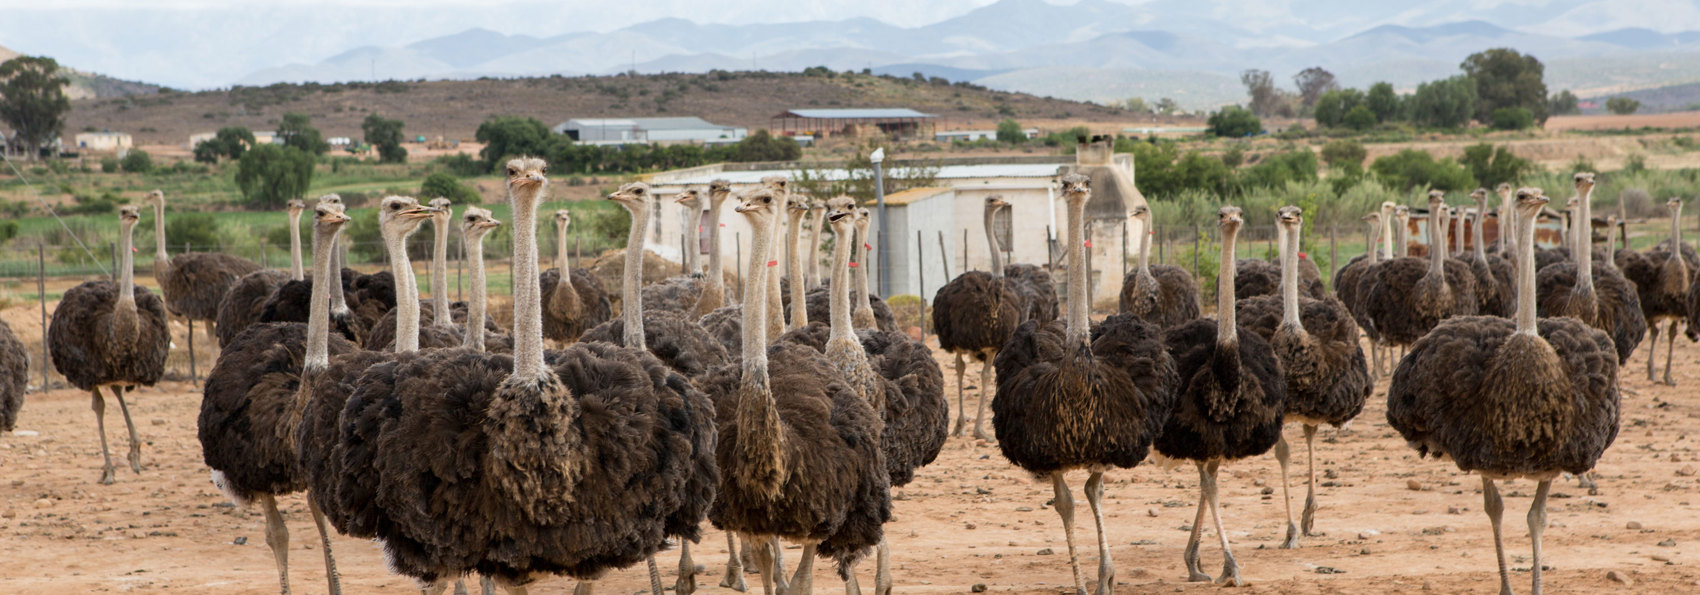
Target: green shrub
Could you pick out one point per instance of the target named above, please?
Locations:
(198, 230)
(136, 161)
(108, 165)
(1233, 122)
(1513, 118)
(1359, 118)
(1491, 166)
(461, 164)
(447, 186)
(1345, 154)
(1413, 168)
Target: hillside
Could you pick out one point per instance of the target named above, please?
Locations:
(1672, 98)
(454, 109)
(86, 85)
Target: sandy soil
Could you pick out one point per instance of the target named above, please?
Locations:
(1391, 522)
(1611, 122)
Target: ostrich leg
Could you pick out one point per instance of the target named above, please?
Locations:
(460, 586)
(331, 574)
(734, 578)
(1064, 503)
(1670, 348)
(1537, 526)
(882, 568)
(99, 406)
(1284, 456)
(488, 586)
(277, 537)
(654, 573)
(582, 588)
(437, 587)
(961, 404)
(779, 581)
(1307, 520)
(511, 589)
(135, 443)
(1230, 568)
(687, 582)
(985, 387)
(1095, 498)
(194, 378)
(1495, 507)
(1652, 351)
(765, 566)
(1193, 571)
(804, 580)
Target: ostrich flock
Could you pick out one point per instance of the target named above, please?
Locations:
(468, 450)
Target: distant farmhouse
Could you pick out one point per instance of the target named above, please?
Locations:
(621, 131)
(104, 142)
(900, 123)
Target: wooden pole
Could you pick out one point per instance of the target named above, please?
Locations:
(41, 294)
(738, 259)
(944, 256)
(920, 285)
(1333, 252)
(965, 267)
(1050, 252)
(1124, 248)
(460, 262)
(1195, 249)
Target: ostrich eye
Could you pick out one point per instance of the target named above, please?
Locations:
(543, 170)
(512, 172)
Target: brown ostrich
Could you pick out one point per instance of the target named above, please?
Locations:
(1229, 404)
(246, 300)
(193, 282)
(795, 268)
(112, 336)
(1407, 297)
(862, 312)
(1074, 397)
(578, 305)
(817, 215)
(1163, 295)
(1514, 400)
(974, 315)
(476, 223)
(798, 448)
(1494, 282)
(1327, 380)
(713, 293)
(252, 402)
(1662, 276)
(1595, 294)
(690, 216)
(14, 377)
(1348, 279)
(567, 462)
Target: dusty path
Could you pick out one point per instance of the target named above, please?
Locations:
(1393, 523)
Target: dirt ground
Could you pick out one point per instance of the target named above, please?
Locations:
(1612, 122)
(1391, 522)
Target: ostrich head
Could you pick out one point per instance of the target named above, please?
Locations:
(1076, 187)
(1584, 181)
(563, 218)
(443, 211)
(331, 199)
(400, 216)
(863, 217)
(1674, 205)
(477, 222)
(1228, 219)
(816, 206)
(995, 202)
(156, 198)
(1530, 201)
(841, 217)
(129, 215)
(1504, 190)
(689, 198)
(527, 178)
(296, 206)
(1402, 214)
(1374, 218)
(1572, 203)
(1290, 216)
(718, 190)
(758, 207)
(1478, 195)
(328, 218)
(1436, 198)
(777, 183)
(634, 196)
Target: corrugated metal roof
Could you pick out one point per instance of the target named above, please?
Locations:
(995, 170)
(640, 123)
(914, 194)
(858, 113)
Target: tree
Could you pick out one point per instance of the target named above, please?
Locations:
(32, 100)
(208, 151)
(1359, 118)
(1167, 106)
(763, 146)
(234, 140)
(1234, 121)
(1412, 168)
(1513, 118)
(270, 175)
(1331, 107)
(194, 228)
(137, 161)
(108, 165)
(1344, 154)
(1505, 78)
(1136, 104)
(1491, 166)
(1312, 83)
(1265, 98)
(1009, 131)
(447, 186)
(1446, 103)
(1563, 104)
(297, 131)
(385, 134)
(510, 136)
(1622, 106)
(1383, 101)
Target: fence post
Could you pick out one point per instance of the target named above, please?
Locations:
(965, 267)
(1195, 248)
(944, 257)
(1333, 253)
(41, 294)
(460, 266)
(921, 285)
(1050, 252)
(738, 259)
(1124, 247)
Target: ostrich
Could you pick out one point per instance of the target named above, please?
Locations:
(14, 377)
(1327, 381)
(1507, 223)
(863, 311)
(1406, 298)
(193, 282)
(1662, 276)
(252, 401)
(112, 336)
(1229, 401)
(1163, 295)
(1526, 399)
(246, 300)
(441, 216)
(817, 214)
(1035, 285)
(573, 307)
(798, 447)
(566, 462)
(794, 267)
(714, 286)
(974, 315)
(1493, 274)
(1074, 397)
(1594, 294)
(440, 326)
(477, 223)
(690, 214)
(897, 375)
(1346, 284)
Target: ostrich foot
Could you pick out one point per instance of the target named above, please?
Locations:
(107, 475)
(981, 434)
(1230, 572)
(688, 569)
(1292, 542)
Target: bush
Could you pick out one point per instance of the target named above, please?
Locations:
(1491, 166)
(447, 186)
(137, 162)
(1332, 106)
(108, 165)
(461, 164)
(1622, 106)
(1233, 122)
(1413, 168)
(1009, 131)
(1447, 103)
(1513, 118)
(270, 175)
(198, 230)
(1345, 154)
(1280, 169)
(1359, 118)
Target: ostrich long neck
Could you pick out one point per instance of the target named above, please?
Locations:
(1526, 273)
(1584, 243)
(863, 301)
(1386, 228)
(565, 294)
(406, 295)
(440, 272)
(631, 297)
(1507, 225)
(1477, 236)
(339, 303)
(1290, 277)
(716, 266)
(295, 271)
(528, 289)
(761, 437)
(1145, 246)
(1458, 231)
(1676, 248)
(992, 241)
(775, 302)
(1225, 323)
(318, 311)
(814, 247)
(159, 253)
(840, 313)
(1079, 327)
(1402, 241)
(1436, 243)
(474, 337)
(794, 269)
(127, 272)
